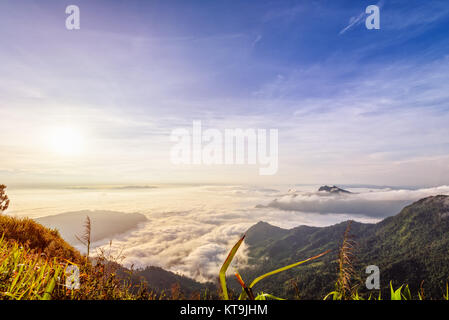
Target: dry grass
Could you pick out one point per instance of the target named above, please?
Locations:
(345, 263)
(4, 201)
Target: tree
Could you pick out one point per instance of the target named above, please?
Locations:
(4, 200)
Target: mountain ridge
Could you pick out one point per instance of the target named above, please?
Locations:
(409, 247)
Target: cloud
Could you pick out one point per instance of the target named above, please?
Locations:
(258, 38)
(195, 246)
(352, 22)
(377, 204)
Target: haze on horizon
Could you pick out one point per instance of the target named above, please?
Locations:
(97, 105)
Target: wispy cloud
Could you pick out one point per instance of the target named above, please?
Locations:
(353, 21)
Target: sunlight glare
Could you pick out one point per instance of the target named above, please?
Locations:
(66, 141)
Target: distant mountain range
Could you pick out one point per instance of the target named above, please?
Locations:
(105, 224)
(411, 247)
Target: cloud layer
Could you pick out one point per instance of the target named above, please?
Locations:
(377, 204)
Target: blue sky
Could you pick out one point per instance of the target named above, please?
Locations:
(352, 105)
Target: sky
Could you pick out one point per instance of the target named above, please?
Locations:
(97, 105)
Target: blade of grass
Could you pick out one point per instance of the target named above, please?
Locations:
(51, 285)
(395, 294)
(264, 296)
(286, 268)
(243, 293)
(407, 295)
(247, 290)
(225, 266)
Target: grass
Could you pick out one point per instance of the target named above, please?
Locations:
(25, 275)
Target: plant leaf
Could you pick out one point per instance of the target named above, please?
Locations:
(287, 267)
(264, 296)
(225, 266)
(395, 294)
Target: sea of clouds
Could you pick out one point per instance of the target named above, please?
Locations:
(194, 241)
(190, 229)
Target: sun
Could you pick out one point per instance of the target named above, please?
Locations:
(66, 141)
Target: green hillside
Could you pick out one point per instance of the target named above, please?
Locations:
(410, 247)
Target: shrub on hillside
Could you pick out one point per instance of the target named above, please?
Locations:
(37, 238)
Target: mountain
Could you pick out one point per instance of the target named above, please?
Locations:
(160, 280)
(105, 224)
(46, 242)
(333, 189)
(408, 248)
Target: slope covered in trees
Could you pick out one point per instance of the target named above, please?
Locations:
(411, 247)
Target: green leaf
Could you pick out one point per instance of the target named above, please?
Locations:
(225, 266)
(395, 294)
(335, 295)
(264, 296)
(51, 285)
(286, 268)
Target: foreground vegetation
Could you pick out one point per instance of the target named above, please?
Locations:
(35, 263)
